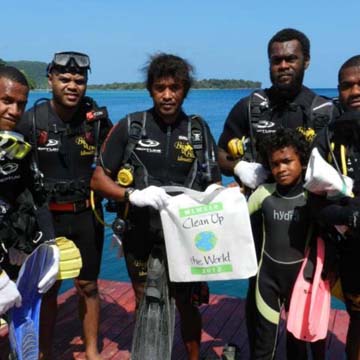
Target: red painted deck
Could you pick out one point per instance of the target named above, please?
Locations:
(223, 322)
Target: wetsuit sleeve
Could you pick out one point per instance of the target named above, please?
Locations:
(112, 151)
(329, 213)
(256, 219)
(236, 124)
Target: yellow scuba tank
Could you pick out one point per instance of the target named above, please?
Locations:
(70, 259)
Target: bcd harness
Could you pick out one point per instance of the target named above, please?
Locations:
(319, 115)
(90, 129)
(204, 164)
(203, 167)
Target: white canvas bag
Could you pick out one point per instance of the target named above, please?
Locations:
(208, 235)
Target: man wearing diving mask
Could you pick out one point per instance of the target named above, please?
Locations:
(66, 142)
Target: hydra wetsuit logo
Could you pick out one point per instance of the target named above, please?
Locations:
(8, 169)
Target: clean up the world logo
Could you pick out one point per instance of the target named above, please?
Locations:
(209, 259)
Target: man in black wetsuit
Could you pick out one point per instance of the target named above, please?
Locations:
(344, 136)
(163, 155)
(66, 142)
(286, 104)
(24, 216)
(13, 174)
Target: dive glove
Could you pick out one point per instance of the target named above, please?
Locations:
(251, 174)
(9, 294)
(49, 278)
(153, 196)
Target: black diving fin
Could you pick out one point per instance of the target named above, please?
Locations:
(155, 322)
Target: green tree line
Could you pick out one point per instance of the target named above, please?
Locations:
(198, 84)
(35, 72)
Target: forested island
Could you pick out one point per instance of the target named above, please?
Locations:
(198, 84)
(35, 71)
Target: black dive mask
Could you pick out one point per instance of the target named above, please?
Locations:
(70, 61)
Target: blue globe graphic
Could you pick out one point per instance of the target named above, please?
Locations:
(205, 241)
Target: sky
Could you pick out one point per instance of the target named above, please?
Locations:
(223, 39)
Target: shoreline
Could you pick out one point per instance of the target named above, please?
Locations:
(192, 89)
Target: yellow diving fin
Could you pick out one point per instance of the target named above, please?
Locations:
(70, 259)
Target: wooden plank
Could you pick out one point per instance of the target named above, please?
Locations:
(116, 303)
(223, 322)
(232, 325)
(179, 351)
(221, 315)
(336, 343)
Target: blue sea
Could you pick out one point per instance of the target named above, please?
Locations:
(213, 105)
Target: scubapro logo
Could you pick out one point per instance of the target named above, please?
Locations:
(52, 142)
(265, 124)
(148, 143)
(8, 169)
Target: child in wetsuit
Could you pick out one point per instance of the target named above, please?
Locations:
(281, 226)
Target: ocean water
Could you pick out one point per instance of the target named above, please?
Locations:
(213, 105)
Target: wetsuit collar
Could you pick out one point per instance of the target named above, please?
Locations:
(301, 98)
(290, 191)
(163, 124)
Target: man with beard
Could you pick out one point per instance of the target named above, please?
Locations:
(287, 103)
(66, 134)
(344, 136)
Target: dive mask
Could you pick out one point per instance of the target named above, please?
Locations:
(70, 59)
(13, 145)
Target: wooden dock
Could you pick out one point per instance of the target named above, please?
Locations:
(223, 322)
